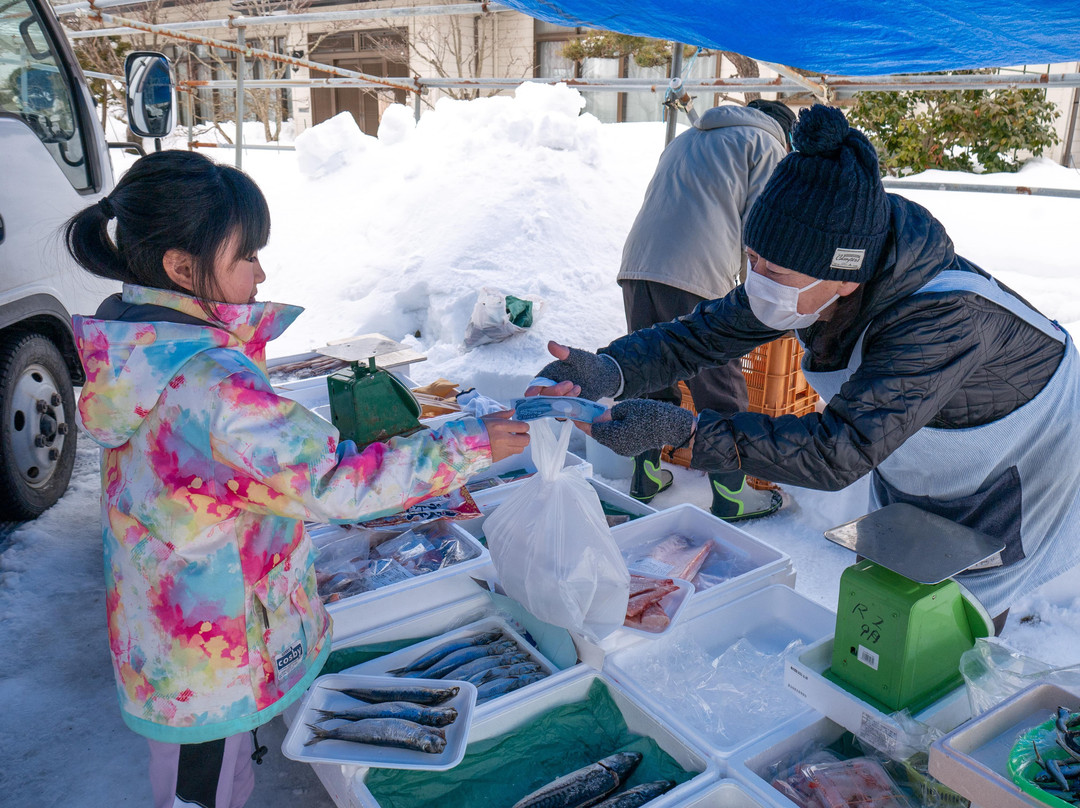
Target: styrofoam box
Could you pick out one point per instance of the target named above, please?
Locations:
(366, 610)
(804, 676)
(515, 710)
(770, 619)
(755, 765)
(492, 498)
(731, 794)
(405, 656)
(973, 759)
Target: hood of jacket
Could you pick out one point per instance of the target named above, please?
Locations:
(135, 345)
(917, 250)
(734, 115)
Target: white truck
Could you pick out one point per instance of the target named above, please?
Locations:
(54, 160)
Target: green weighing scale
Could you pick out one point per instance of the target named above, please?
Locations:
(901, 621)
(367, 402)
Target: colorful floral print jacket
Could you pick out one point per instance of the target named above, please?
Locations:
(207, 479)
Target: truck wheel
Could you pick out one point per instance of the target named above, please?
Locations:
(37, 425)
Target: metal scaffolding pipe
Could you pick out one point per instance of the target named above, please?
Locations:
(68, 8)
(252, 53)
(1021, 190)
(306, 17)
(585, 85)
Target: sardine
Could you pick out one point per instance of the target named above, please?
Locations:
(504, 672)
(586, 786)
(500, 687)
(427, 716)
(417, 694)
(477, 666)
(435, 654)
(638, 795)
(459, 658)
(383, 732)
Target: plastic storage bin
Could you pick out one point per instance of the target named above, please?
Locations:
(732, 794)
(973, 759)
(365, 610)
(770, 619)
(639, 718)
(804, 677)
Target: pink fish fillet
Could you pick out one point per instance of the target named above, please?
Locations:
(654, 619)
(682, 555)
(646, 591)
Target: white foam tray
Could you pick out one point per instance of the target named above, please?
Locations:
(324, 695)
(517, 709)
(804, 676)
(367, 610)
(673, 605)
(770, 619)
(973, 759)
(405, 656)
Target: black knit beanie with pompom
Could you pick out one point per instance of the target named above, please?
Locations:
(824, 212)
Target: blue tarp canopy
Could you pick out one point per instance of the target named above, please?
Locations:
(844, 37)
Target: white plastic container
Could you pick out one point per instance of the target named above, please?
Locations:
(751, 560)
(367, 610)
(515, 710)
(324, 695)
(732, 794)
(405, 656)
(769, 619)
(973, 759)
(804, 676)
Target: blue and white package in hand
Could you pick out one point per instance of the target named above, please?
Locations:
(576, 409)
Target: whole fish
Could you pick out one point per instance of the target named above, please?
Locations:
(383, 732)
(500, 687)
(504, 672)
(417, 694)
(458, 658)
(435, 654)
(428, 716)
(586, 786)
(484, 663)
(638, 795)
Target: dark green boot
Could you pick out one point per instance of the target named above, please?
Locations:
(734, 500)
(649, 479)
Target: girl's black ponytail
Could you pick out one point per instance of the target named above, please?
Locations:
(86, 235)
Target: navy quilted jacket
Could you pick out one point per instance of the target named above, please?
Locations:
(948, 360)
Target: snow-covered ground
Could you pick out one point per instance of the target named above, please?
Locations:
(396, 234)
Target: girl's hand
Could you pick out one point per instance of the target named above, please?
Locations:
(507, 437)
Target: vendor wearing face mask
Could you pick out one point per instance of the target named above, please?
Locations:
(958, 396)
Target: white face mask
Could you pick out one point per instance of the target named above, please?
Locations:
(777, 305)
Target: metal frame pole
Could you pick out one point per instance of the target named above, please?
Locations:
(241, 43)
(676, 74)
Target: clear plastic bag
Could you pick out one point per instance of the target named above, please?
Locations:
(552, 548)
(493, 321)
(993, 671)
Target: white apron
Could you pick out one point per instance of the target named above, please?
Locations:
(1017, 478)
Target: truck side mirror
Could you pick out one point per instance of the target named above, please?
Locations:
(151, 97)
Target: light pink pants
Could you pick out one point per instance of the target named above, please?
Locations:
(220, 771)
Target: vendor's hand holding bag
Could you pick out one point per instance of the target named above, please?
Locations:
(552, 547)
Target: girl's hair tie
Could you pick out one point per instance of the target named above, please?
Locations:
(106, 207)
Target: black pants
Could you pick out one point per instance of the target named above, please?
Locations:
(721, 388)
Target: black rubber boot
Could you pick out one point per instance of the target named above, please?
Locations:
(649, 479)
(734, 500)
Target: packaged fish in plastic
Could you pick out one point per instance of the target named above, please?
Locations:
(454, 506)
(576, 409)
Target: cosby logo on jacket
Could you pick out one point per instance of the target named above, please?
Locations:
(285, 663)
(847, 259)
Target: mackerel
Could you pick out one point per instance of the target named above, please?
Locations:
(417, 694)
(638, 795)
(428, 716)
(437, 653)
(586, 786)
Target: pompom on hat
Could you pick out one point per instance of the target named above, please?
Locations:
(824, 212)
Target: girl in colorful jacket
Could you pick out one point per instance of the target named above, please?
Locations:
(208, 475)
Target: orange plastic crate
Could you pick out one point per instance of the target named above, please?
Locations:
(776, 385)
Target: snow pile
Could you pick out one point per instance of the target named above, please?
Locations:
(398, 234)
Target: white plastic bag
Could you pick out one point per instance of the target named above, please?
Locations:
(490, 322)
(552, 548)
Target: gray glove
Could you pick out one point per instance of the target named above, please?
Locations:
(598, 376)
(641, 424)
